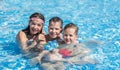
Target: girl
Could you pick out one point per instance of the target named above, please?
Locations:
(29, 37)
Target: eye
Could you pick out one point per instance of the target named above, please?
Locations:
(51, 28)
(33, 23)
(56, 28)
(71, 35)
(65, 34)
(39, 25)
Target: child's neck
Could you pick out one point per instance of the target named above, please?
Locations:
(75, 42)
(31, 36)
(50, 39)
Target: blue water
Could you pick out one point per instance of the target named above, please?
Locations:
(96, 19)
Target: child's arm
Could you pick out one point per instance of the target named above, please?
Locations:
(37, 59)
(23, 41)
(80, 50)
(42, 54)
(41, 40)
(56, 57)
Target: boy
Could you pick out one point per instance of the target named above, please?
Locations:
(54, 29)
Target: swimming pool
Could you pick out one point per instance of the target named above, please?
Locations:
(97, 19)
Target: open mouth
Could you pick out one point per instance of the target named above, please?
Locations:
(35, 30)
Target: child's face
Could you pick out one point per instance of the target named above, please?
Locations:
(70, 35)
(54, 29)
(35, 27)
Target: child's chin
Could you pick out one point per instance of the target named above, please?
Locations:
(68, 42)
(34, 32)
(53, 36)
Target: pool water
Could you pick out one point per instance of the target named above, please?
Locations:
(96, 19)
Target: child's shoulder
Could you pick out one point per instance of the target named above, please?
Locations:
(21, 34)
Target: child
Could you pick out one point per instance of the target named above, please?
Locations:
(72, 48)
(54, 29)
(28, 37)
(70, 34)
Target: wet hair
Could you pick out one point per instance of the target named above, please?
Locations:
(34, 15)
(37, 15)
(56, 19)
(72, 25)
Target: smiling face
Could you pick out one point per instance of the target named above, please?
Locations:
(36, 25)
(54, 29)
(69, 35)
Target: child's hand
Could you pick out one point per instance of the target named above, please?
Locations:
(59, 36)
(41, 47)
(34, 61)
(70, 61)
(41, 39)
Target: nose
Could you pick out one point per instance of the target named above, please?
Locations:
(35, 26)
(67, 37)
(53, 30)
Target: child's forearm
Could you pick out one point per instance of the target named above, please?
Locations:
(31, 46)
(26, 48)
(42, 54)
(80, 54)
(61, 60)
